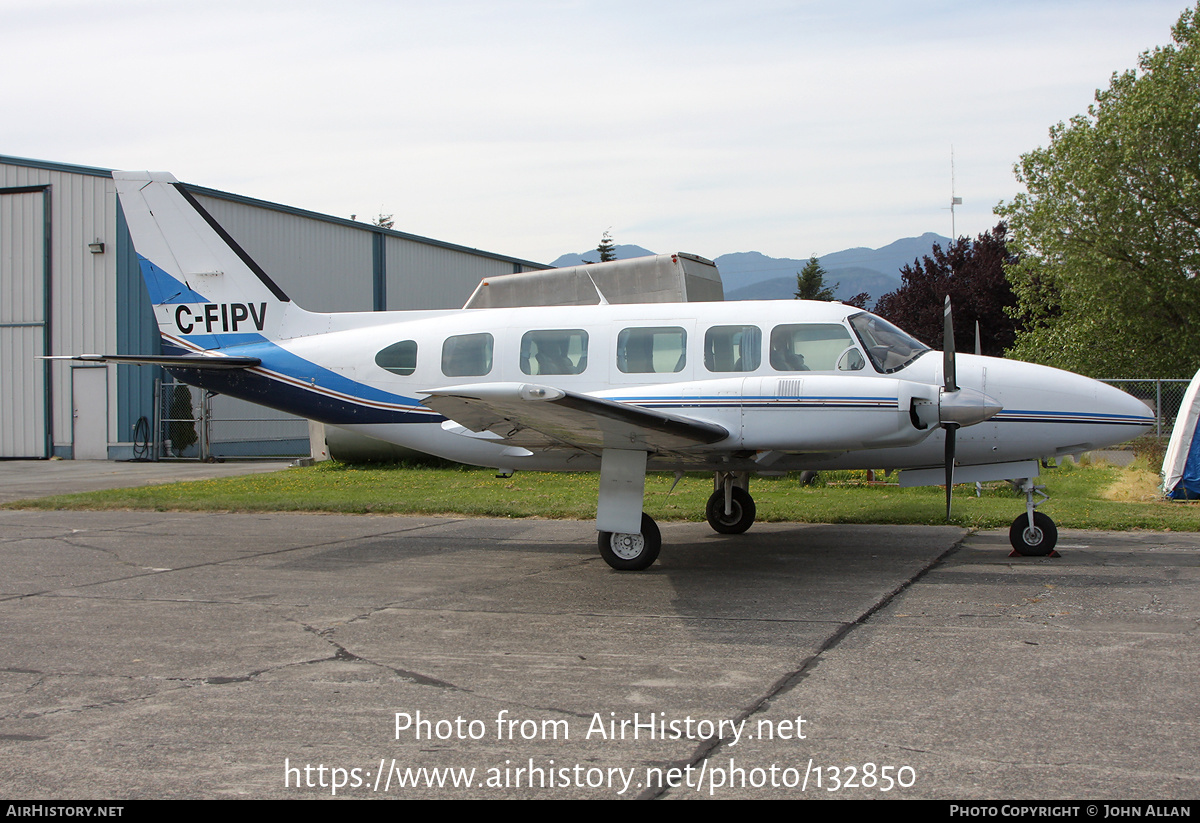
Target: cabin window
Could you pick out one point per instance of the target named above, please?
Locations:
(813, 347)
(851, 360)
(652, 350)
(398, 358)
(467, 355)
(732, 348)
(889, 348)
(554, 351)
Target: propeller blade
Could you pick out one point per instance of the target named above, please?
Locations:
(950, 375)
(951, 430)
(948, 369)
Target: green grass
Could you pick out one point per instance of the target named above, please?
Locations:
(1081, 497)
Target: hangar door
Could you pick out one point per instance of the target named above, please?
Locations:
(24, 273)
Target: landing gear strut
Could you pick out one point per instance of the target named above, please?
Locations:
(619, 512)
(730, 509)
(1032, 534)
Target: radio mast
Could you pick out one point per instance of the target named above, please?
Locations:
(955, 200)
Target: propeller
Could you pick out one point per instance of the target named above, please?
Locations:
(950, 376)
(958, 407)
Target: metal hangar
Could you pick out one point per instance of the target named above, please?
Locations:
(70, 284)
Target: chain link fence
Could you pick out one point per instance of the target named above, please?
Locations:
(195, 424)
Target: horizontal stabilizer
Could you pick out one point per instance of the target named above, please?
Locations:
(170, 361)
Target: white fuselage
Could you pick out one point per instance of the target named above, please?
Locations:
(837, 409)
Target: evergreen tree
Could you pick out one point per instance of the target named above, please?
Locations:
(810, 282)
(606, 248)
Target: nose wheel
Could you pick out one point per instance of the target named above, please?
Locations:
(1033, 541)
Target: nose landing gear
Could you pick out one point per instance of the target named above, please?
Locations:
(1033, 534)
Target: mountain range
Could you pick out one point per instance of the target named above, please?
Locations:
(751, 275)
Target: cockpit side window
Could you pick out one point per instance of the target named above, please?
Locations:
(732, 348)
(652, 350)
(889, 348)
(811, 347)
(398, 358)
(467, 355)
(554, 351)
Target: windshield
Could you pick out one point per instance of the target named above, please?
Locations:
(889, 348)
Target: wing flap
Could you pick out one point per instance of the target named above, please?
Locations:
(533, 416)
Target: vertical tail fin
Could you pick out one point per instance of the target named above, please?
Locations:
(207, 292)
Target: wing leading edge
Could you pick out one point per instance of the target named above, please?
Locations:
(533, 416)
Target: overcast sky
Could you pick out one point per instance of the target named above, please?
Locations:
(529, 128)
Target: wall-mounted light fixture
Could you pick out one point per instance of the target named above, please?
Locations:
(96, 247)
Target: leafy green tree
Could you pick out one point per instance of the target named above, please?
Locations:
(810, 282)
(1109, 226)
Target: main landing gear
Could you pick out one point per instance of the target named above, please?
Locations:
(1032, 534)
(730, 509)
(632, 552)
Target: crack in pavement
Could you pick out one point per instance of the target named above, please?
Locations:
(791, 680)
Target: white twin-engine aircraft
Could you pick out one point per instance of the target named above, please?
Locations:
(730, 388)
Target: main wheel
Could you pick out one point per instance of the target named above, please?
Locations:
(631, 552)
(741, 514)
(1036, 542)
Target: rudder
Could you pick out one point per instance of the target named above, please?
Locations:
(207, 291)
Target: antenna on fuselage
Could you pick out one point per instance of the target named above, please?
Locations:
(600, 294)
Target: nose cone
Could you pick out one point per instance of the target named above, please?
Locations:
(1123, 408)
(1066, 410)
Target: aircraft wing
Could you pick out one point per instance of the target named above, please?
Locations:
(533, 416)
(169, 361)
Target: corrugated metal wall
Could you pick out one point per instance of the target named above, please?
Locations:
(423, 276)
(82, 285)
(322, 266)
(23, 270)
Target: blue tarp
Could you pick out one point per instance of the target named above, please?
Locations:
(1188, 488)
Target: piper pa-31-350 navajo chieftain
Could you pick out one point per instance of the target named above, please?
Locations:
(730, 388)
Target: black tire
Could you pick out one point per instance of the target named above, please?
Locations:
(1036, 543)
(807, 478)
(741, 516)
(632, 552)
